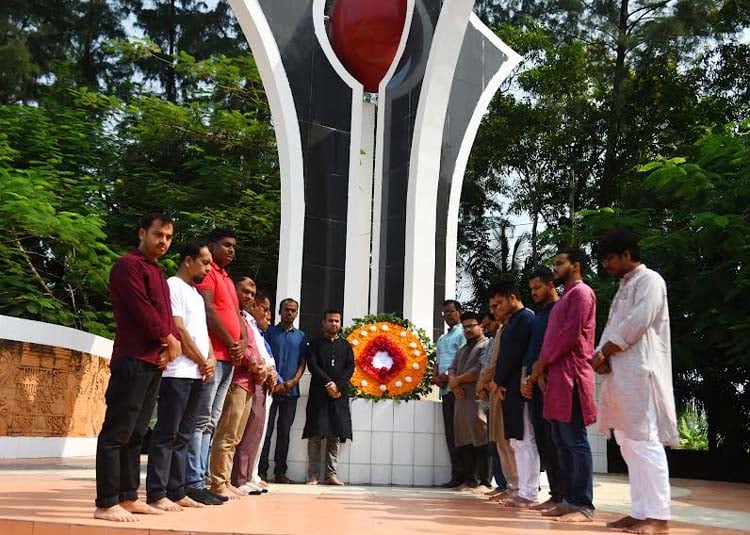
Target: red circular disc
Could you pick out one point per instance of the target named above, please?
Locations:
(365, 35)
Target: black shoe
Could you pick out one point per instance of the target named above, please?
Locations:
(281, 478)
(204, 496)
(451, 484)
(218, 496)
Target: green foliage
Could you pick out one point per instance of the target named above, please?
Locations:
(87, 147)
(693, 430)
(425, 385)
(691, 212)
(55, 262)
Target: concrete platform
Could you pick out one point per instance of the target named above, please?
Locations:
(55, 497)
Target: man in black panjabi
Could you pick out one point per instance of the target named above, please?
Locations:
(331, 364)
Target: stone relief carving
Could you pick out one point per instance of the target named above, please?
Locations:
(50, 391)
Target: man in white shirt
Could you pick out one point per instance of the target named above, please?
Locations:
(182, 388)
(637, 400)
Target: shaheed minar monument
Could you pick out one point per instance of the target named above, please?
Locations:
(376, 104)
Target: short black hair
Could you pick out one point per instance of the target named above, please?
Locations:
(544, 274)
(453, 302)
(243, 279)
(574, 255)
(617, 241)
(506, 288)
(216, 235)
(287, 300)
(330, 311)
(147, 220)
(262, 295)
(469, 315)
(486, 314)
(191, 250)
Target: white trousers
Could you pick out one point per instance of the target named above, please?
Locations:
(527, 460)
(648, 472)
(255, 477)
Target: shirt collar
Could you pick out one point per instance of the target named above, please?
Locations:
(572, 284)
(455, 328)
(216, 267)
(137, 252)
(280, 326)
(634, 272)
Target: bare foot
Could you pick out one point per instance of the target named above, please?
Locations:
(235, 490)
(624, 522)
(137, 507)
(187, 501)
(574, 516)
(114, 514)
(650, 525)
(224, 491)
(549, 504)
(504, 495)
(519, 503)
(165, 504)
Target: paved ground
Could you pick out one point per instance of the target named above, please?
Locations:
(55, 497)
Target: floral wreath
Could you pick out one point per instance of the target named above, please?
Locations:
(391, 358)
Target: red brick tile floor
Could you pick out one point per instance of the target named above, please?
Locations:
(55, 497)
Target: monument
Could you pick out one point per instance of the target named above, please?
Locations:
(376, 104)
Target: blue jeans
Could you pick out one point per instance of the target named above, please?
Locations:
(178, 406)
(574, 454)
(205, 424)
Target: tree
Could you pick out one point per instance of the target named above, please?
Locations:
(691, 211)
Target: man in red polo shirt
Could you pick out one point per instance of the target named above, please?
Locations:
(228, 334)
(146, 340)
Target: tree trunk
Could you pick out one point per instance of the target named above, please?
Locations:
(614, 121)
(170, 87)
(534, 231)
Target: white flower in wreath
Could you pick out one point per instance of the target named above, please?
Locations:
(415, 365)
(363, 383)
(408, 379)
(383, 388)
(399, 384)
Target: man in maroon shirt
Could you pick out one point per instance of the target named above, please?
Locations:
(569, 403)
(146, 340)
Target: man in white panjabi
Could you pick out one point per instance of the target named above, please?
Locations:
(637, 400)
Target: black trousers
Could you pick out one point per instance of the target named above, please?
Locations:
(286, 409)
(548, 453)
(130, 397)
(475, 465)
(449, 405)
(177, 413)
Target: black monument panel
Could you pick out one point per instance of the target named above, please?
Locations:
(401, 102)
(478, 61)
(323, 103)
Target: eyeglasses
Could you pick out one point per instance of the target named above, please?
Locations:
(471, 326)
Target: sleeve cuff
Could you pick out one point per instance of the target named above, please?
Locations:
(619, 341)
